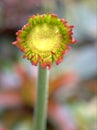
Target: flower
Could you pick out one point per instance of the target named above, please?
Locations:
(45, 39)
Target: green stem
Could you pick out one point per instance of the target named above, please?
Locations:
(42, 98)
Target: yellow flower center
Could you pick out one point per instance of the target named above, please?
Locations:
(44, 38)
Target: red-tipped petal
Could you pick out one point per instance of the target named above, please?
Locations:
(70, 32)
(59, 60)
(71, 26)
(24, 56)
(67, 49)
(62, 20)
(54, 15)
(74, 40)
(14, 43)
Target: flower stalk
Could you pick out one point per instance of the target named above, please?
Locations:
(42, 99)
(44, 40)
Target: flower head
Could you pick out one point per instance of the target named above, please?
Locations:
(45, 39)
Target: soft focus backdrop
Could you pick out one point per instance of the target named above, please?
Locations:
(73, 86)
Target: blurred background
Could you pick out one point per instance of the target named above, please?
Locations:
(73, 86)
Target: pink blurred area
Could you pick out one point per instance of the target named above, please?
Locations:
(72, 85)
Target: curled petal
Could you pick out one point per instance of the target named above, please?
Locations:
(59, 60)
(24, 56)
(14, 42)
(71, 26)
(54, 15)
(74, 40)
